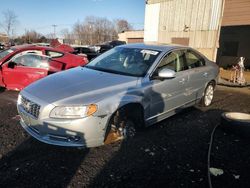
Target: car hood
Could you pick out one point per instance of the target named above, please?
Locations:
(80, 86)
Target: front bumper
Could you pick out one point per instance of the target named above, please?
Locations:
(84, 132)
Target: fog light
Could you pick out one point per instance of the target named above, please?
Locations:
(74, 138)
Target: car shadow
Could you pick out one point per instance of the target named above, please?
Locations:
(35, 164)
(172, 153)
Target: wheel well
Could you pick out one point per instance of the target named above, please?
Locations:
(212, 82)
(133, 111)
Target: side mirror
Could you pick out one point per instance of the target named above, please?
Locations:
(166, 73)
(11, 65)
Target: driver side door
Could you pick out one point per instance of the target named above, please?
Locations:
(23, 70)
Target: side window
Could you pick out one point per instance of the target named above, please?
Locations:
(53, 54)
(194, 60)
(32, 60)
(174, 60)
(37, 52)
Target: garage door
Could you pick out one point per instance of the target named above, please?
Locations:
(135, 40)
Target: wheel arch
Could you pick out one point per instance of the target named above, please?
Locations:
(133, 110)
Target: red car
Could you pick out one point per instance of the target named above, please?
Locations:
(19, 65)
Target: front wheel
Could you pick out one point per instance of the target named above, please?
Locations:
(120, 129)
(208, 95)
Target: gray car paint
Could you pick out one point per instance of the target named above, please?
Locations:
(159, 98)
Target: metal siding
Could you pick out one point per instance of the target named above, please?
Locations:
(151, 25)
(215, 15)
(197, 14)
(236, 12)
(201, 16)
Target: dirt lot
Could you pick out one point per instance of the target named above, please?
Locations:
(171, 154)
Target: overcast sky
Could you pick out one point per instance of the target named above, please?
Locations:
(40, 15)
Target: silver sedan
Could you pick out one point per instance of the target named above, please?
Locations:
(124, 89)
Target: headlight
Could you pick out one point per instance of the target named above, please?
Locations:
(73, 111)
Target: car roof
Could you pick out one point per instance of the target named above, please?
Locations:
(35, 47)
(154, 46)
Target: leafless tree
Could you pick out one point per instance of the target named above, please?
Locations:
(94, 30)
(9, 22)
(50, 36)
(122, 25)
(68, 36)
(31, 36)
(79, 33)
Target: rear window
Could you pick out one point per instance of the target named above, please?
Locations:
(54, 54)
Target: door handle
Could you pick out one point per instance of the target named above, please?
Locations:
(205, 74)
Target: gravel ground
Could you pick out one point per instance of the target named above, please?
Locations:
(172, 153)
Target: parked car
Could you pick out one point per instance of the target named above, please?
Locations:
(89, 52)
(115, 43)
(13, 75)
(101, 48)
(124, 89)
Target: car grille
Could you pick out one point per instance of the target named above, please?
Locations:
(30, 107)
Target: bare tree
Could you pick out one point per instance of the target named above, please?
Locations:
(31, 36)
(122, 25)
(50, 36)
(68, 36)
(9, 22)
(95, 30)
(79, 33)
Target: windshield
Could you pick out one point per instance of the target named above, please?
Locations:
(5, 53)
(125, 61)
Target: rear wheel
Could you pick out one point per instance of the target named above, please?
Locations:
(208, 95)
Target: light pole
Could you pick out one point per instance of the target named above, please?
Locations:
(54, 25)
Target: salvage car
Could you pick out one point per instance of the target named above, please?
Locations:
(83, 50)
(15, 75)
(120, 91)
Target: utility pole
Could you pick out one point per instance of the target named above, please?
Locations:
(54, 25)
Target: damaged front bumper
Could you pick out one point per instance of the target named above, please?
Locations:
(84, 132)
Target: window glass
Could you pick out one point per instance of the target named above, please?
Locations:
(194, 60)
(174, 61)
(54, 54)
(126, 61)
(5, 53)
(32, 60)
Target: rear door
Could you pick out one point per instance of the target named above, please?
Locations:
(23, 70)
(198, 74)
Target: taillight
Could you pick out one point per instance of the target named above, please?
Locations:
(86, 60)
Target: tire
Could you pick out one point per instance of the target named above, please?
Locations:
(120, 128)
(236, 123)
(208, 95)
(2, 89)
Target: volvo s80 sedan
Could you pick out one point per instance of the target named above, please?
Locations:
(122, 90)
